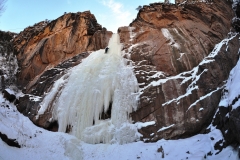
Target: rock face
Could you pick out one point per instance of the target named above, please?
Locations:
(186, 102)
(177, 38)
(47, 44)
(179, 70)
(227, 116)
(46, 50)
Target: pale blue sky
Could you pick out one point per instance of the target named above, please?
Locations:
(111, 14)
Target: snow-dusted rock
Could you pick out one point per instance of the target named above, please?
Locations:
(227, 117)
(181, 54)
(180, 64)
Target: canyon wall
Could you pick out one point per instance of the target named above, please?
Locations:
(179, 68)
(182, 54)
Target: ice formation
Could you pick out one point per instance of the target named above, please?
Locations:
(102, 81)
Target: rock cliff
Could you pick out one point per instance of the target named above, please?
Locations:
(182, 54)
(48, 43)
(179, 69)
(46, 50)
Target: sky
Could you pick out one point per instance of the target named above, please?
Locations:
(111, 14)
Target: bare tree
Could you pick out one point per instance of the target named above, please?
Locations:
(2, 6)
(138, 8)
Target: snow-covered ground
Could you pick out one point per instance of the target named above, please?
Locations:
(39, 144)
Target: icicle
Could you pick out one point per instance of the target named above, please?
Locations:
(100, 80)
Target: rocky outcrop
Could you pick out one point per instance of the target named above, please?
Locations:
(47, 44)
(179, 71)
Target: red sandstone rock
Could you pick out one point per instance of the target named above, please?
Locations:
(47, 44)
(193, 30)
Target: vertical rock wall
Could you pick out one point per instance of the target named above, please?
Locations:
(179, 69)
(182, 54)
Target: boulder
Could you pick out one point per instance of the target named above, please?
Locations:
(9, 95)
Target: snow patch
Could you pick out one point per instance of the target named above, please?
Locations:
(169, 37)
(181, 55)
(140, 125)
(132, 34)
(10, 91)
(164, 128)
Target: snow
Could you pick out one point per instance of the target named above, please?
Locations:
(10, 91)
(105, 80)
(219, 45)
(39, 144)
(164, 128)
(144, 124)
(132, 34)
(157, 75)
(33, 97)
(181, 55)
(169, 37)
(33, 140)
(223, 102)
(202, 98)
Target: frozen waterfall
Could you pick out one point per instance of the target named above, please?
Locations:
(103, 84)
